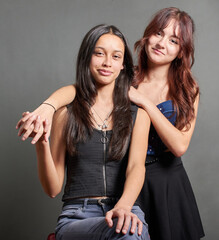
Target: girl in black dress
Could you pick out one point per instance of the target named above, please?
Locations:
(167, 91)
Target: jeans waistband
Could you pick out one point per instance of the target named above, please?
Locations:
(91, 201)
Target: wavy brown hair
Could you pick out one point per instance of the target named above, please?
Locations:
(183, 89)
(79, 125)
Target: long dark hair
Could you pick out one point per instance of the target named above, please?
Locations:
(183, 88)
(79, 125)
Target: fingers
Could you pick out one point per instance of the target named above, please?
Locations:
(47, 128)
(108, 218)
(25, 113)
(126, 220)
(41, 132)
(38, 135)
(140, 226)
(37, 124)
(37, 131)
(26, 132)
(25, 116)
(119, 225)
(134, 224)
(32, 126)
(26, 124)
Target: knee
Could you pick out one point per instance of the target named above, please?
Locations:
(135, 237)
(144, 235)
(128, 236)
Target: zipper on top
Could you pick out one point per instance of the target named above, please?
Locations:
(104, 140)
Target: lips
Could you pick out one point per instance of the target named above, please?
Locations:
(157, 51)
(104, 72)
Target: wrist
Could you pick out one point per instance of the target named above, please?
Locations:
(123, 206)
(49, 104)
(41, 144)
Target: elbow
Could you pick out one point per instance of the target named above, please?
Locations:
(180, 151)
(52, 194)
(178, 154)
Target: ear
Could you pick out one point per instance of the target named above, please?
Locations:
(122, 67)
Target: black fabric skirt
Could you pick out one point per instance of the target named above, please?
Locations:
(168, 201)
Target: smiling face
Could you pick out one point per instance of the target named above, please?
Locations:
(164, 46)
(107, 59)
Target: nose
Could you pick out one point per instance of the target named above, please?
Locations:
(161, 43)
(107, 61)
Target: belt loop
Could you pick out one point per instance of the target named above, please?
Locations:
(100, 202)
(85, 202)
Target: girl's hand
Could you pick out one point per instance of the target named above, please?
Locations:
(125, 217)
(136, 97)
(36, 124)
(38, 130)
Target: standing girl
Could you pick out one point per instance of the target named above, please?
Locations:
(165, 88)
(168, 92)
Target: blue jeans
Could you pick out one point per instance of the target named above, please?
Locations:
(87, 222)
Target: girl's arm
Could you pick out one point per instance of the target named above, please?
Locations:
(177, 141)
(62, 96)
(32, 123)
(135, 175)
(51, 157)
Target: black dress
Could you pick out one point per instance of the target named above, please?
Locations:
(167, 197)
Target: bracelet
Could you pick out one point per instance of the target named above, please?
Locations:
(49, 105)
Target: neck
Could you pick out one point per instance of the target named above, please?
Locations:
(102, 109)
(157, 73)
(104, 96)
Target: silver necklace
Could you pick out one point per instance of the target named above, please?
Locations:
(104, 122)
(104, 139)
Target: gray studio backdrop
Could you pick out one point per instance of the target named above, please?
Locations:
(39, 41)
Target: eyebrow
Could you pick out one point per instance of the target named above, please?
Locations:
(113, 51)
(175, 36)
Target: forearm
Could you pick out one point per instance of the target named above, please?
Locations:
(47, 170)
(135, 172)
(175, 140)
(122, 210)
(62, 96)
(133, 185)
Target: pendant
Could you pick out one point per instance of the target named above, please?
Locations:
(104, 140)
(104, 126)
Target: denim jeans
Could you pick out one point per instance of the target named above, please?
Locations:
(87, 222)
